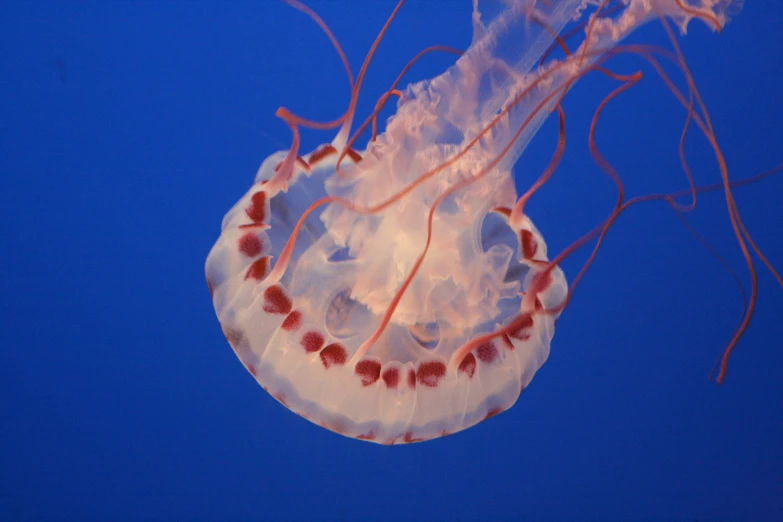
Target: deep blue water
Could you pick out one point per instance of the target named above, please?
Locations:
(127, 130)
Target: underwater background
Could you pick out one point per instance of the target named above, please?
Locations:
(127, 131)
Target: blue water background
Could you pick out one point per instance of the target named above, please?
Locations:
(127, 130)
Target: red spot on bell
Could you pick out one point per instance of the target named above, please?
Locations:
(528, 243)
(257, 209)
(249, 244)
(391, 377)
(312, 342)
(320, 153)
(518, 329)
(430, 372)
(292, 321)
(333, 355)
(468, 365)
(275, 301)
(507, 341)
(258, 269)
(412, 379)
(487, 352)
(369, 371)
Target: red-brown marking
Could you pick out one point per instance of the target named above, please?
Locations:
(548, 281)
(487, 352)
(408, 438)
(391, 377)
(518, 329)
(430, 372)
(367, 436)
(281, 399)
(257, 209)
(493, 412)
(503, 211)
(412, 379)
(312, 342)
(334, 354)
(234, 336)
(335, 426)
(355, 156)
(320, 153)
(253, 226)
(528, 243)
(369, 371)
(507, 341)
(252, 370)
(468, 365)
(250, 245)
(302, 163)
(209, 285)
(275, 301)
(327, 150)
(292, 322)
(258, 269)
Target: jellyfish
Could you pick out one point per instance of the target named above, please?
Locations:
(400, 293)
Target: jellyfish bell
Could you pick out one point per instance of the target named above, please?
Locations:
(300, 335)
(400, 293)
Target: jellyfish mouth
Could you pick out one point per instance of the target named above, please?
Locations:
(450, 286)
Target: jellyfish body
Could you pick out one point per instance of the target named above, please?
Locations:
(415, 299)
